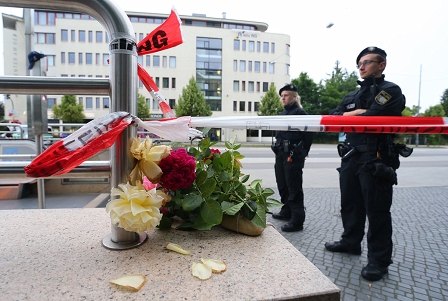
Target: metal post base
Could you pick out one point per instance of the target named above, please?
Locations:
(111, 245)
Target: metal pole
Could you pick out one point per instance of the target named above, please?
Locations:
(418, 106)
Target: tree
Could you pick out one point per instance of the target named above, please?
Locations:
(309, 93)
(336, 87)
(270, 103)
(142, 107)
(444, 102)
(192, 101)
(69, 110)
(410, 112)
(435, 111)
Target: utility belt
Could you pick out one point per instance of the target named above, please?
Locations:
(292, 147)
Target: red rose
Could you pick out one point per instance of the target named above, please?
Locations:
(179, 170)
(212, 152)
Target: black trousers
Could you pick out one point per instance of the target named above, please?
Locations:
(289, 177)
(363, 195)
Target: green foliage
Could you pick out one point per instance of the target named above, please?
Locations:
(410, 112)
(69, 110)
(192, 101)
(309, 93)
(270, 103)
(444, 102)
(142, 107)
(220, 189)
(435, 111)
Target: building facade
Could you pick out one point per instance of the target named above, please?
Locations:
(233, 61)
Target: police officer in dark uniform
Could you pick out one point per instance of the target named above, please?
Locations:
(291, 148)
(367, 171)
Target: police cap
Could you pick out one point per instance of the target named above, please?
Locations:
(288, 87)
(369, 50)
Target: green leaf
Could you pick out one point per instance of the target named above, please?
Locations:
(200, 224)
(192, 151)
(210, 170)
(244, 178)
(165, 223)
(201, 177)
(228, 145)
(223, 197)
(231, 208)
(191, 202)
(268, 192)
(211, 212)
(226, 159)
(237, 146)
(241, 190)
(208, 187)
(224, 176)
(273, 203)
(249, 209)
(260, 218)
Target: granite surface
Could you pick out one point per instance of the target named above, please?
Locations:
(57, 254)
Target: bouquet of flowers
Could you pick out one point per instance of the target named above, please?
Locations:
(198, 187)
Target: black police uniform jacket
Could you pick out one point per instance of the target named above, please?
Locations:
(378, 97)
(294, 137)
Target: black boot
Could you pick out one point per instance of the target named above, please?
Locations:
(296, 222)
(283, 214)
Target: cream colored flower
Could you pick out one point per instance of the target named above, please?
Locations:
(136, 209)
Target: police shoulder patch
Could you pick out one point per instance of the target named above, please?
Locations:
(382, 97)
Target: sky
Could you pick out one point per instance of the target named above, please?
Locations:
(413, 33)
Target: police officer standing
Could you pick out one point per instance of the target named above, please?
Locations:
(367, 171)
(291, 148)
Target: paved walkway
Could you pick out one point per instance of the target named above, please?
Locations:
(420, 224)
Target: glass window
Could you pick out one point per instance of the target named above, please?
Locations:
(271, 67)
(256, 106)
(265, 86)
(249, 66)
(251, 46)
(164, 61)
(172, 62)
(90, 36)
(265, 47)
(236, 44)
(234, 106)
(251, 87)
(257, 66)
(140, 60)
(272, 47)
(173, 83)
(51, 60)
(106, 58)
(140, 36)
(64, 35)
(89, 103)
(236, 85)
(97, 58)
(89, 58)
(73, 35)
(243, 45)
(258, 86)
(80, 56)
(82, 35)
(287, 49)
(99, 36)
(97, 103)
(249, 106)
(157, 81)
(242, 65)
(155, 104)
(41, 18)
(62, 57)
(287, 69)
(165, 82)
(258, 46)
(242, 106)
(51, 102)
(106, 102)
(264, 67)
(172, 103)
(243, 86)
(148, 60)
(156, 61)
(235, 65)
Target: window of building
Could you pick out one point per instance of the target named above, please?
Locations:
(258, 46)
(72, 75)
(157, 81)
(51, 102)
(287, 69)
(235, 65)
(44, 38)
(234, 106)
(82, 35)
(80, 56)
(156, 61)
(81, 75)
(99, 36)
(140, 36)
(73, 35)
(265, 86)
(44, 18)
(106, 102)
(243, 86)
(62, 57)
(172, 103)
(140, 84)
(89, 58)
(155, 104)
(249, 66)
(140, 60)
(258, 86)
(173, 83)
(90, 36)
(89, 103)
(106, 58)
(98, 76)
(165, 82)
(242, 65)
(148, 60)
(288, 49)
(172, 62)
(64, 35)
(236, 85)
(97, 103)
(242, 106)
(257, 66)
(271, 67)
(272, 47)
(243, 45)
(264, 67)
(97, 58)
(256, 106)
(164, 61)
(64, 75)
(265, 47)
(251, 87)
(71, 57)
(249, 106)
(251, 46)
(51, 60)
(236, 44)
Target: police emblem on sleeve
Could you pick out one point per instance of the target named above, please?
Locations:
(382, 97)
